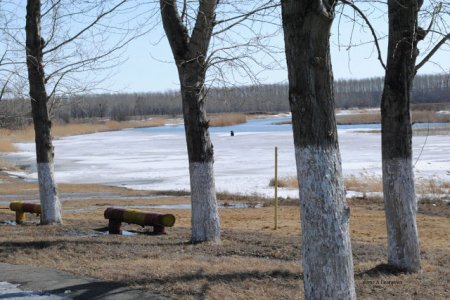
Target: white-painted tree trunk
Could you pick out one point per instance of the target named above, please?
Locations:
(401, 207)
(327, 252)
(50, 204)
(205, 217)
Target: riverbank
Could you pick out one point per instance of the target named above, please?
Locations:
(254, 261)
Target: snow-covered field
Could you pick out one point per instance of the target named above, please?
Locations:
(156, 158)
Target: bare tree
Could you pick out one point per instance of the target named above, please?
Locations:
(327, 254)
(398, 177)
(50, 204)
(190, 53)
(190, 33)
(400, 69)
(64, 41)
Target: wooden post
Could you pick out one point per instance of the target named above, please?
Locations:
(276, 187)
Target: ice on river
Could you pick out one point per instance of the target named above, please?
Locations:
(156, 158)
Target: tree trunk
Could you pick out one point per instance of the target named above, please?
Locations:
(398, 177)
(50, 204)
(205, 217)
(327, 254)
(190, 56)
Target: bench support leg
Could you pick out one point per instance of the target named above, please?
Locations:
(114, 227)
(20, 217)
(159, 230)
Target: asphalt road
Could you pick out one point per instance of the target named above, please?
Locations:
(26, 282)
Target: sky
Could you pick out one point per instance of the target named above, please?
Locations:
(148, 64)
(150, 67)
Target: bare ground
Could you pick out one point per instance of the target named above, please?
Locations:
(254, 261)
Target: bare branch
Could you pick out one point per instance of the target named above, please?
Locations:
(92, 24)
(176, 32)
(432, 52)
(240, 18)
(372, 30)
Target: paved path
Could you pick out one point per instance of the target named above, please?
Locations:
(25, 282)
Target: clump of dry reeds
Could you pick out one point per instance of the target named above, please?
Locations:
(227, 119)
(363, 183)
(353, 183)
(432, 186)
(367, 117)
(426, 116)
(285, 182)
(9, 137)
(359, 118)
(62, 130)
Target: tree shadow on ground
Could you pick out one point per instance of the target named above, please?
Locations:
(103, 290)
(208, 280)
(381, 269)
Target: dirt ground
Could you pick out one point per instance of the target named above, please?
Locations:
(254, 261)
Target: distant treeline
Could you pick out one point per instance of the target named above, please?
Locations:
(269, 98)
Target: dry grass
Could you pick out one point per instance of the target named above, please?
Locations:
(352, 183)
(432, 186)
(7, 146)
(359, 118)
(365, 184)
(285, 182)
(227, 119)
(373, 116)
(252, 262)
(426, 116)
(8, 137)
(83, 128)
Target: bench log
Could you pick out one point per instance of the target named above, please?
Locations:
(21, 208)
(118, 215)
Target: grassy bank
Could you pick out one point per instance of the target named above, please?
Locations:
(254, 261)
(374, 116)
(227, 119)
(368, 184)
(9, 137)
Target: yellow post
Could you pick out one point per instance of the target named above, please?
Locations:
(276, 187)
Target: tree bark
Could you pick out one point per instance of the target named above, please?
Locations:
(398, 177)
(50, 204)
(327, 254)
(190, 54)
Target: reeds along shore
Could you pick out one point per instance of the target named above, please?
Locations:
(374, 184)
(26, 134)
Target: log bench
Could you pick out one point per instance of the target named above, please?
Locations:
(21, 208)
(118, 215)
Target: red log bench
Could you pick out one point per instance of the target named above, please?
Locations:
(118, 215)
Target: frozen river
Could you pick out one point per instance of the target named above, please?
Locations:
(156, 158)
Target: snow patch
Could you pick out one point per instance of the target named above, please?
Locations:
(11, 291)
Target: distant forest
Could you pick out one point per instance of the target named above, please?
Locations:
(270, 98)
